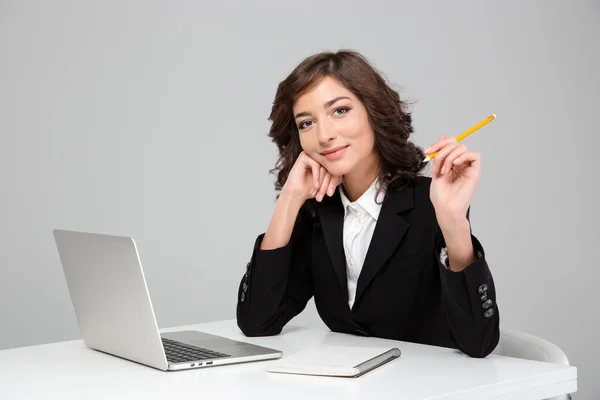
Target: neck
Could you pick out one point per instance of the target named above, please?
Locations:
(357, 181)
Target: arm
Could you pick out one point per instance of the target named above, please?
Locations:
(468, 291)
(277, 283)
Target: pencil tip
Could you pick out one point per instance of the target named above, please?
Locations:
(426, 159)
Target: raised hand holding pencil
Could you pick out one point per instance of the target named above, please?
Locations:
(455, 176)
(463, 135)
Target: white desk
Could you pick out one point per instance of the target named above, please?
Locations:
(69, 370)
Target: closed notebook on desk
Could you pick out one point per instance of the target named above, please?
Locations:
(339, 361)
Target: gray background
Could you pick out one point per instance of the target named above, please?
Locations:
(149, 119)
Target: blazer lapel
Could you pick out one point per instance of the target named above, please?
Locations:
(332, 222)
(388, 234)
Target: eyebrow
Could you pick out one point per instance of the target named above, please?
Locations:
(326, 105)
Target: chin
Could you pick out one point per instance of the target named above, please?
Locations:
(337, 168)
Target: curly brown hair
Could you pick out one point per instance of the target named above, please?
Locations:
(401, 160)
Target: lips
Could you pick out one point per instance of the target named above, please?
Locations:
(332, 150)
(335, 153)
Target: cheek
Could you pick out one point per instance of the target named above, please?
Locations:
(364, 141)
(306, 143)
(358, 130)
(367, 137)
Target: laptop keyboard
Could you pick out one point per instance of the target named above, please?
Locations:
(178, 352)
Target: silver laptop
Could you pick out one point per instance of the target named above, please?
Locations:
(115, 315)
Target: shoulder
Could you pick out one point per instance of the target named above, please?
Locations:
(416, 191)
(421, 189)
(422, 183)
(418, 185)
(419, 192)
(423, 211)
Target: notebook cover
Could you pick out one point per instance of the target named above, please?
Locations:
(336, 361)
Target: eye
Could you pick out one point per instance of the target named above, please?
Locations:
(341, 110)
(303, 125)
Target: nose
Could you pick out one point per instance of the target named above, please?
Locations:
(326, 132)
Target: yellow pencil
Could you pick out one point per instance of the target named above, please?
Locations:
(489, 119)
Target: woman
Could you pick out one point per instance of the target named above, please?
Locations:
(385, 251)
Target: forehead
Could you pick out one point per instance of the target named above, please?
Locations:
(321, 92)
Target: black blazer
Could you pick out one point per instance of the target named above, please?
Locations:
(403, 292)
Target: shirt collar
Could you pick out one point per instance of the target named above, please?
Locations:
(366, 201)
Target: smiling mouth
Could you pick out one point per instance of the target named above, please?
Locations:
(334, 154)
(330, 151)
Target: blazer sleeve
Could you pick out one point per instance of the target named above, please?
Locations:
(276, 285)
(469, 302)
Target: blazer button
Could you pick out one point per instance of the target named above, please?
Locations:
(244, 287)
(488, 313)
(482, 288)
(487, 304)
(243, 297)
(484, 296)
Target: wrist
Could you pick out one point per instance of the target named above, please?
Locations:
(457, 236)
(452, 222)
(291, 201)
(280, 228)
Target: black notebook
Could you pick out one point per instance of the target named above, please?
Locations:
(339, 361)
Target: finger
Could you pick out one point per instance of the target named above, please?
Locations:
(438, 160)
(322, 173)
(454, 154)
(333, 183)
(441, 143)
(315, 174)
(474, 158)
(324, 186)
(314, 166)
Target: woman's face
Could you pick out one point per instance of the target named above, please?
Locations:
(334, 127)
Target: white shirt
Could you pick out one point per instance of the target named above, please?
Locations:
(360, 218)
